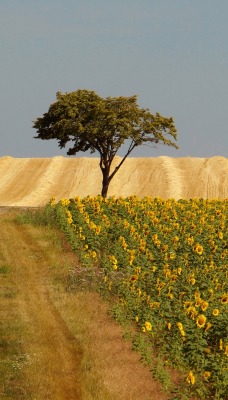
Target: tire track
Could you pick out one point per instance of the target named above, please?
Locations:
(54, 370)
(174, 178)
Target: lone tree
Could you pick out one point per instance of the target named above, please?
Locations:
(102, 124)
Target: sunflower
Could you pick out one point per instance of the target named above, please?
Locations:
(179, 270)
(206, 374)
(181, 329)
(220, 235)
(204, 305)
(198, 249)
(224, 298)
(148, 326)
(198, 302)
(201, 320)
(167, 273)
(208, 326)
(134, 278)
(215, 312)
(53, 200)
(172, 256)
(207, 350)
(137, 270)
(97, 230)
(191, 378)
(192, 312)
(180, 326)
(190, 240)
(182, 332)
(211, 293)
(164, 247)
(93, 254)
(226, 350)
(155, 304)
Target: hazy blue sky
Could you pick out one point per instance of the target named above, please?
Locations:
(172, 53)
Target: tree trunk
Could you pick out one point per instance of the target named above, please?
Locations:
(105, 164)
(105, 181)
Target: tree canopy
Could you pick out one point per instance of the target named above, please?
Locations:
(87, 121)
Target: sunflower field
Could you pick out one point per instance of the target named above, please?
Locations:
(164, 264)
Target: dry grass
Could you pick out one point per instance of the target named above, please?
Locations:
(34, 181)
(59, 344)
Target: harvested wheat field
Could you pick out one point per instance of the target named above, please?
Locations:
(34, 181)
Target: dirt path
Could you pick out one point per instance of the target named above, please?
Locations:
(72, 348)
(55, 355)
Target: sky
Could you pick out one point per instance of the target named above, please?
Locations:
(173, 54)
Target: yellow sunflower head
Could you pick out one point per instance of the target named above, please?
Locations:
(224, 298)
(201, 320)
(198, 249)
(208, 326)
(204, 305)
(180, 326)
(190, 378)
(220, 235)
(226, 350)
(148, 326)
(206, 375)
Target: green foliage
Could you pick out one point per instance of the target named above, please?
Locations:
(4, 269)
(12, 357)
(164, 264)
(37, 216)
(99, 124)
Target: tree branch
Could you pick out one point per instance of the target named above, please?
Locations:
(131, 147)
